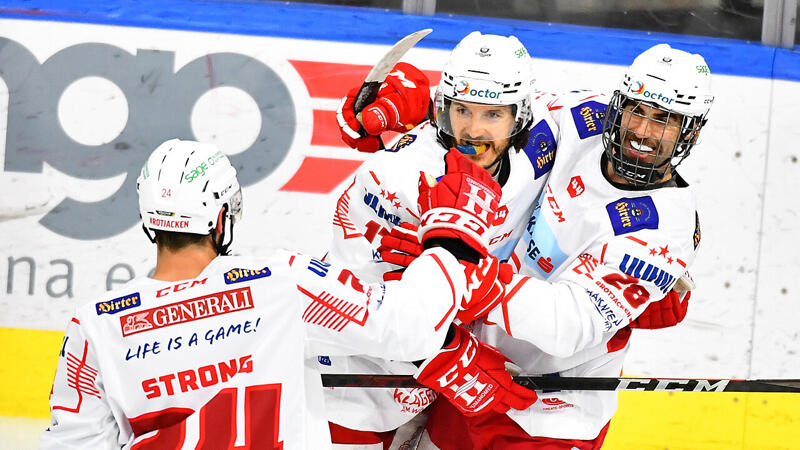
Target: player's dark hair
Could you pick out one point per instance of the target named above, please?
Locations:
(173, 241)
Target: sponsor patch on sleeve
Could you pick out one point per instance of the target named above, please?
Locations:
(240, 275)
(118, 304)
(324, 360)
(588, 118)
(541, 148)
(404, 141)
(632, 214)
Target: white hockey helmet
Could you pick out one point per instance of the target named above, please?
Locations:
(673, 81)
(184, 185)
(486, 69)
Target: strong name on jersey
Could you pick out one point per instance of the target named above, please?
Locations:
(220, 360)
(384, 194)
(606, 253)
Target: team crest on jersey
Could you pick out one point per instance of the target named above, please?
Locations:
(118, 304)
(240, 275)
(632, 214)
(588, 118)
(541, 148)
(404, 141)
(696, 236)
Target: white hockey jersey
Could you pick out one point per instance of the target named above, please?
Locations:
(221, 360)
(606, 253)
(382, 195)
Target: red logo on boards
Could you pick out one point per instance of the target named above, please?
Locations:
(187, 311)
(575, 187)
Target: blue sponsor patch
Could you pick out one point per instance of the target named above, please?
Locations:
(588, 118)
(404, 141)
(324, 360)
(541, 148)
(240, 275)
(373, 201)
(645, 271)
(632, 214)
(118, 304)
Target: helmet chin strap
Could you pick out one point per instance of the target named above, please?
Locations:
(222, 247)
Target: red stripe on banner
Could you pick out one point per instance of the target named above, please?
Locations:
(333, 80)
(320, 175)
(326, 130)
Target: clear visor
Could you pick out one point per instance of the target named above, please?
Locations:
(477, 122)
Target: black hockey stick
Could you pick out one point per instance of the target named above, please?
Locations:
(585, 384)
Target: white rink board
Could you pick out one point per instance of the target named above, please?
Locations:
(740, 321)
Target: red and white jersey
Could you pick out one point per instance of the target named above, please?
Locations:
(384, 194)
(605, 252)
(221, 360)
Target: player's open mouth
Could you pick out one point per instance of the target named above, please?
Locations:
(639, 150)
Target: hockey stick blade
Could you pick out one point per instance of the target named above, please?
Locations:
(538, 383)
(369, 90)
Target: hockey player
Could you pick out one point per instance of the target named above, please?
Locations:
(657, 314)
(614, 230)
(209, 352)
(482, 108)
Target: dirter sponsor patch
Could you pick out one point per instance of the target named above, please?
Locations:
(187, 311)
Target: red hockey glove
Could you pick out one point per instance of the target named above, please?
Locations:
(473, 377)
(400, 246)
(486, 287)
(665, 313)
(461, 205)
(402, 103)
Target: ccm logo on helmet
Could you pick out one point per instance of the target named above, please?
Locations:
(462, 88)
(169, 223)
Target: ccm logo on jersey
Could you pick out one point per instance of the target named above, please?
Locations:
(118, 304)
(632, 214)
(588, 118)
(240, 275)
(187, 311)
(194, 379)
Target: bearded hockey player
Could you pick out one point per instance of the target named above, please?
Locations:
(613, 231)
(209, 352)
(482, 108)
(667, 312)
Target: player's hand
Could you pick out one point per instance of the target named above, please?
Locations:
(400, 246)
(670, 310)
(462, 205)
(486, 287)
(473, 377)
(665, 313)
(401, 104)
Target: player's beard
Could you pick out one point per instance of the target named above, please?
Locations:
(490, 158)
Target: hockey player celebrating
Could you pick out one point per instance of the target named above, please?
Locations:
(613, 231)
(483, 109)
(651, 314)
(209, 351)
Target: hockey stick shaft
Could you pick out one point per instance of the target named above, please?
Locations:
(539, 383)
